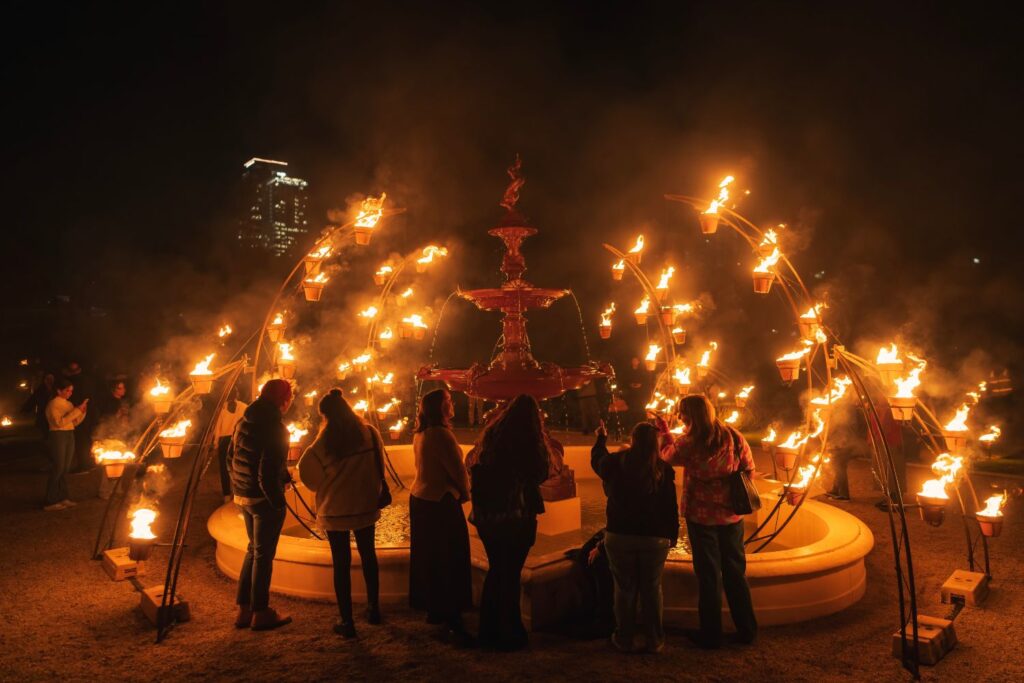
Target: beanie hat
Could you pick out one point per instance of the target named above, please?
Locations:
(277, 391)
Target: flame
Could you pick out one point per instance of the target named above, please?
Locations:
(430, 252)
(982, 387)
(770, 436)
(644, 307)
(905, 385)
(947, 467)
(621, 265)
(795, 440)
(176, 431)
(666, 275)
(416, 320)
(224, 331)
(805, 475)
(386, 408)
(768, 261)
(652, 352)
(606, 315)
(399, 425)
(770, 237)
(320, 280)
(344, 366)
(811, 315)
(819, 335)
(819, 424)
(295, 433)
(991, 435)
(745, 391)
(378, 379)
(387, 334)
(203, 366)
(321, 253)
(705, 358)
(959, 421)
(385, 270)
(889, 355)
(723, 195)
(278, 320)
(360, 406)
(733, 418)
(111, 451)
(142, 519)
(793, 355)
(994, 505)
(160, 388)
(369, 313)
(406, 294)
(836, 390)
(681, 309)
(362, 360)
(5, 421)
(682, 376)
(314, 393)
(371, 211)
(675, 330)
(638, 247)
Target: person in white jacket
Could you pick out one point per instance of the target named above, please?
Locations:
(61, 418)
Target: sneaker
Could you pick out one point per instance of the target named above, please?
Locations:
(345, 629)
(268, 619)
(68, 503)
(54, 507)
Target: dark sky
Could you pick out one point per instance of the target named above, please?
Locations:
(888, 134)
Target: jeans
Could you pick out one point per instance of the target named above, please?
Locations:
(636, 563)
(719, 561)
(60, 446)
(341, 555)
(507, 545)
(222, 459)
(263, 525)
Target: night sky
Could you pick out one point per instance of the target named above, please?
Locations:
(888, 137)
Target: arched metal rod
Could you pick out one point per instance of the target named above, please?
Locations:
(165, 616)
(886, 469)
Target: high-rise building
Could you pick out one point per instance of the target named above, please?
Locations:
(274, 207)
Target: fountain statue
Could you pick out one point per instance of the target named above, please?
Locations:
(514, 370)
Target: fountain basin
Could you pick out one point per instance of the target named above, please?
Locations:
(813, 568)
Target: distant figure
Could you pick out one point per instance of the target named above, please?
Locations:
(643, 523)
(590, 409)
(62, 417)
(513, 461)
(257, 461)
(112, 423)
(710, 451)
(228, 419)
(635, 387)
(344, 466)
(84, 390)
(36, 402)
(440, 581)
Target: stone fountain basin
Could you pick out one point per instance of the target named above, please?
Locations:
(815, 567)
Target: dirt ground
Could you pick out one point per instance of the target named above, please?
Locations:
(61, 617)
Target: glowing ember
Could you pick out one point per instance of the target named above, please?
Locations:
(160, 389)
(202, 367)
(369, 313)
(142, 520)
(768, 262)
(837, 389)
(733, 418)
(993, 506)
(224, 331)
(371, 211)
(429, 253)
(723, 195)
(959, 421)
(991, 435)
(295, 433)
(176, 431)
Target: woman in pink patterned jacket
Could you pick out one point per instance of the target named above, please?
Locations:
(710, 451)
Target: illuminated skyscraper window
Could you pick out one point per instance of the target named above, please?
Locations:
(274, 207)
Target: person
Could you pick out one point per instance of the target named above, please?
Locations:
(642, 525)
(83, 461)
(512, 462)
(440, 581)
(112, 423)
(344, 466)
(710, 451)
(228, 419)
(36, 402)
(636, 390)
(61, 417)
(590, 409)
(257, 462)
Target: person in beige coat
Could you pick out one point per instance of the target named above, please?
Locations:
(344, 466)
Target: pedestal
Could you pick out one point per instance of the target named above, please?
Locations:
(970, 587)
(150, 603)
(935, 637)
(119, 566)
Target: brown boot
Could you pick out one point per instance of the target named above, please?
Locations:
(244, 618)
(267, 619)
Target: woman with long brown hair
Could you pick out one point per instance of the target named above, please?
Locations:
(710, 451)
(513, 462)
(344, 466)
(643, 523)
(440, 581)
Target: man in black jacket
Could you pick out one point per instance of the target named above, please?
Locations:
(257, 462)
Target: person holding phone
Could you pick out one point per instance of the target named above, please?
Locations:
(61, 418)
